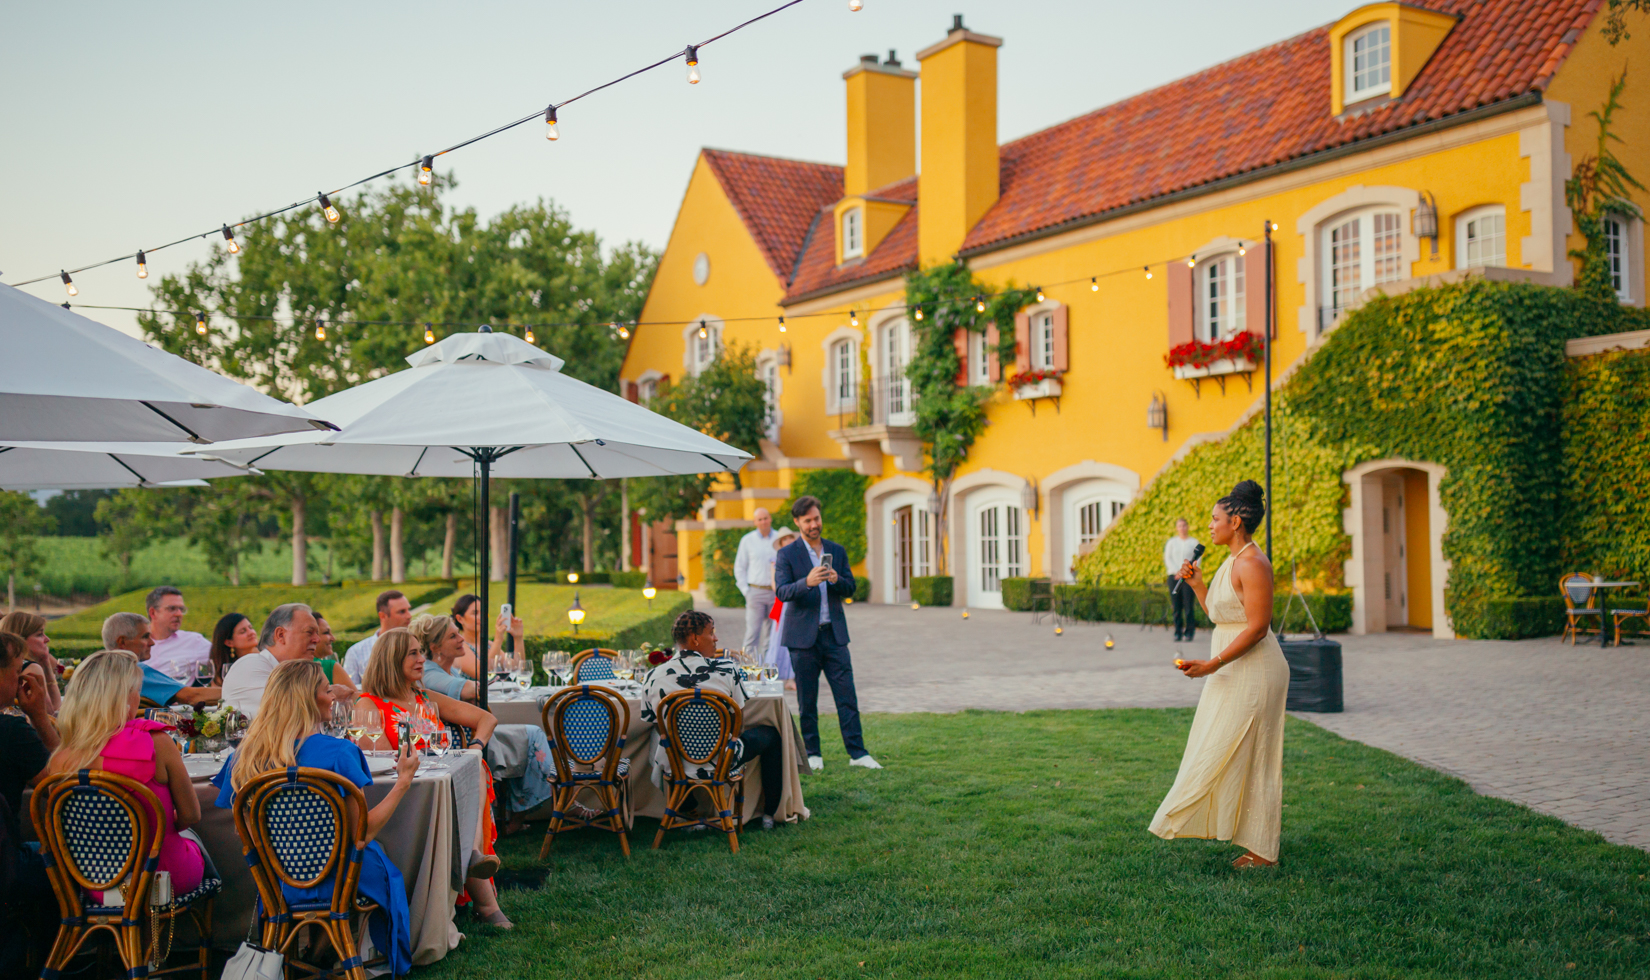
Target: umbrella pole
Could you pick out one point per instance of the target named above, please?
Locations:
(484, 573)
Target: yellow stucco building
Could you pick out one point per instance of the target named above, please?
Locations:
(1400, 142)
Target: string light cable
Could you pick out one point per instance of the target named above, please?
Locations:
(624, 330)
(422, 166)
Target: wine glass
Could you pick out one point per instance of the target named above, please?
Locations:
(234, 729)
(440, 742)
(205, 673)
(370, 724)
(524, 672)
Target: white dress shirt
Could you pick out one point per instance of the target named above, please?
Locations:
(753, 565)
(1179, 550)
(178, 654)
(244, 687)
(824, 597)
(357, 656)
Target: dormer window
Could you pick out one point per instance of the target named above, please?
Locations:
(853, 233)
(1369, 62)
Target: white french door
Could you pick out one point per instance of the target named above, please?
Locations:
(997, 551)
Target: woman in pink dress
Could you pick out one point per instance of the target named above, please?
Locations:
(100, 729)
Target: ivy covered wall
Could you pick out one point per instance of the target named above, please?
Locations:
(1604, 525)
(1470, 375)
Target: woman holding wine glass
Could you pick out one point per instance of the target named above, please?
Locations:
(1230, 784)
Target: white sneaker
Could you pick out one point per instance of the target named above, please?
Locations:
(865, 762)
(816, 763)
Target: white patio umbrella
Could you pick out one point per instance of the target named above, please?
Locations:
(65, 378)
(488, 404)
(107, 466)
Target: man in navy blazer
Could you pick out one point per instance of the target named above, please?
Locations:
(811, 577)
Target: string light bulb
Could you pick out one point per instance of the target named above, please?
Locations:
(143, 267)
(229, 236)
(856, 5)
(68, 284)
(1191, 262)
(703, 331)
(551, 133)
(979, 304)
(327, 208)
(321, 329)
(1148, 271)
(429, 335)
(426, 170)
(529, 336)
(200, 323)
(1242, 249)
(1094, 283)
(919, 314)
(693, 64)
(1039, 294)
(781, 324)
(853, 318)
(624, 332)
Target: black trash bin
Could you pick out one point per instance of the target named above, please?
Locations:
(1314, 674)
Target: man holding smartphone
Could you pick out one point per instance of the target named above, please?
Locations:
(812, 577)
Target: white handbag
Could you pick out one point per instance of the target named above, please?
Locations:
(254, 962)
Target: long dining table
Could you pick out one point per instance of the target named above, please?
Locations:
(646, 799)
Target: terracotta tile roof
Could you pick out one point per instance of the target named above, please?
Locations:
(1265, 108)
(777, 199)
(818, 272)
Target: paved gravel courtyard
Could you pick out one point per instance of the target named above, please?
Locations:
(1563, 730)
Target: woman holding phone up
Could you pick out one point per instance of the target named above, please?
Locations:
(1230, 785)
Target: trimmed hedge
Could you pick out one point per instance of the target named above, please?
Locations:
(1511, 617)
(654, 629)
(1017, 593)
(628, 580)
(862, 589)
(931, 590)
(346, 610)
(719, 550)
(1121, 604)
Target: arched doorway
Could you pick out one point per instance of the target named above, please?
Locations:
(1397, 571)
(996, 545)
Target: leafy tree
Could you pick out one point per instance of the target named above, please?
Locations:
(20, 520)
(1598, 188)
(73, 512)
(726, 400)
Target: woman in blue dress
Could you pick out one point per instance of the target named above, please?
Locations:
(295, 704)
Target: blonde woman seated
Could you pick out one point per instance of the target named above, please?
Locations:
(519, 755)
(287, 732)
(100, 729)
(393, 685)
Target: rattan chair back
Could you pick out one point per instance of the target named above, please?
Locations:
(593, 665)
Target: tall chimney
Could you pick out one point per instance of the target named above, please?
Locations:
(882, 125)
(959, 180)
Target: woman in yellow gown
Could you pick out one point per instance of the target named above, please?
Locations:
(1230, 785)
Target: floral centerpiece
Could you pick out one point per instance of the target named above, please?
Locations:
(657, 655)
(205, 725)
(1241, 346)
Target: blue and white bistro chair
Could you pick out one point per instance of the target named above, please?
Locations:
(304, 827)
(586, 727)
(100, 831)
(593, 665)
(696, 727)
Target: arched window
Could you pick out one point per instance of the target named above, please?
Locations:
(1368, 59)
(1481, 237)
(1220, 295)
(703, 338)
(1359, 251)
(893, 354)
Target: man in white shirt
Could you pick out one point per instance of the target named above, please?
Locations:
(177, 651)
(394, 611)
(289, 633)
(1176, 552)
(753, 573)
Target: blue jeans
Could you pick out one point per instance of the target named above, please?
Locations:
(832, 658)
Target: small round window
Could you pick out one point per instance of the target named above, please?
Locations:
(701, 269)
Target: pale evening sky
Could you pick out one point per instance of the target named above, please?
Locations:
(128, 125)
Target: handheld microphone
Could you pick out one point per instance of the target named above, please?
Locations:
(1196, 554)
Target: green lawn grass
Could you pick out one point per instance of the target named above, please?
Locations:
(1004, 845)
(349, 611)
(613, 616)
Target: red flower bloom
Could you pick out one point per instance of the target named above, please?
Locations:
(1240, 346)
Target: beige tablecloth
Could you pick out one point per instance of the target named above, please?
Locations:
(648, 800)
(429, 838)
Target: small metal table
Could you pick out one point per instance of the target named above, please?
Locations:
(1605, 614)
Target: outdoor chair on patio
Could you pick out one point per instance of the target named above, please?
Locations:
(304, 827)
(593, 665)
(695, 728)
(586, 726)
(100, 831)
(1042, 598)
(1585, 617)
(1638, 609)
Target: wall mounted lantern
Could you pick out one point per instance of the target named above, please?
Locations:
(1426, 220)
(1157, 414)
